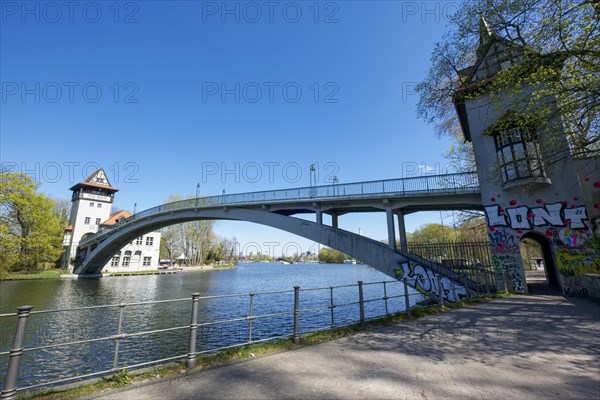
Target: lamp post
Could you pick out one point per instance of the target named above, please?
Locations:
(134, 208)
(197, 192)
(223, 197)
(313, 170)
(335, 182)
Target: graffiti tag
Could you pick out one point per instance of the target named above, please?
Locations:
(426, 282)
(523, 217)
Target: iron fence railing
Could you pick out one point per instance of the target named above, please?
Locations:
(304, 311)
(466, 182)
(464, 258)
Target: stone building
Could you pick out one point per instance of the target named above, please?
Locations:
(532, 186)
(90, 211)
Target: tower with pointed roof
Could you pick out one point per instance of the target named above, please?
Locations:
(532, 189)
(92, 201)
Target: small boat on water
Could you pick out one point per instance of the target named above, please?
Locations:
(349, 261)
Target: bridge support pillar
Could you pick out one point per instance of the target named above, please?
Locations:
(319, 217)
(334, 221)
(391, 228)
(401, 230)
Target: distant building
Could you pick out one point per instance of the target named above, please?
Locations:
(90, 210)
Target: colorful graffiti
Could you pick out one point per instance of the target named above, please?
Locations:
(575, 263)
(503, 241)
(509, 265)
(426, 282)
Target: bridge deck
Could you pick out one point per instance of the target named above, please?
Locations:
(423, 189)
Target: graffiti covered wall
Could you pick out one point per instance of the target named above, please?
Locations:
(564, 223)
(426, 282)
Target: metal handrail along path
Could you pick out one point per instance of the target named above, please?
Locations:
(292, 312)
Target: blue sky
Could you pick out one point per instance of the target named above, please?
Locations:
(168, 95)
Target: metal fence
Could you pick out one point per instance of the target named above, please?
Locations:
(299, 311)
(465, 258)
(466, 182)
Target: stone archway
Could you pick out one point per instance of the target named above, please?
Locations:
(539, 264)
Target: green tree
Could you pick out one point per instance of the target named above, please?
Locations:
(215, 253)
(555, 46)
(432, 233)
(332, 256)
(194, 238)
(31, 224)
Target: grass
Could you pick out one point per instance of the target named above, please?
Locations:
(46, 274)
(240, 354)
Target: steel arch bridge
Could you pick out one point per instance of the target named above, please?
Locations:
(277, 208)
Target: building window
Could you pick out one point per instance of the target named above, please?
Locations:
(98, 220)
(99, 205)
(91, 204)
(147, 261)
(114, 262)
(519, 154)
(149, 241)
(139, 240)
(87, 220)
(126, 259)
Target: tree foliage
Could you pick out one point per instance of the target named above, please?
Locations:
(432, 233)
(195, 239)
(559, 42)
(332, 256)
(31, 224)
(471, 229)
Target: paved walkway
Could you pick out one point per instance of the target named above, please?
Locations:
(520, 347)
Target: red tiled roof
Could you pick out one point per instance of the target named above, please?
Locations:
(69, 228)
(116, 217)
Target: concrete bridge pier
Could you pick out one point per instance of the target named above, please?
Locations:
(401, 230)
(391, 228)
(334, 221)
(319, 213)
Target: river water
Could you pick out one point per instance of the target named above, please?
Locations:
(61, 327)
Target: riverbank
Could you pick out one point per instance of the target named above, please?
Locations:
(46, 274)
(62, 274)
(194, 268)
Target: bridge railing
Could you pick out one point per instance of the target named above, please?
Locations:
(56, 353)
(466, 182)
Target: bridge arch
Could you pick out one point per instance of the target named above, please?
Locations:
(94, 255)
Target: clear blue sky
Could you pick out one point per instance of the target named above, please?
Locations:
(162, 94)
